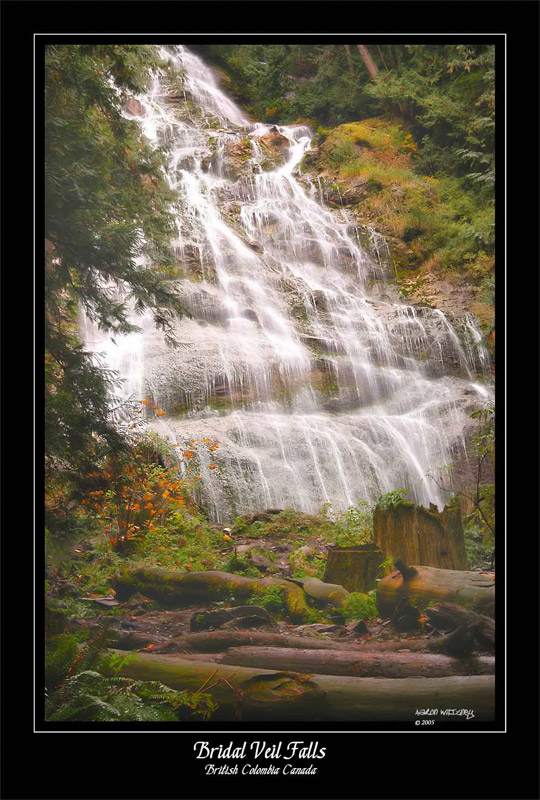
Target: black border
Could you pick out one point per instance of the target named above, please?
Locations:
(354, 766)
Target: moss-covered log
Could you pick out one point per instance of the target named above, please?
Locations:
(250, 694)
(331, 594)
(179, 588)
(473, 590)
(362, 664)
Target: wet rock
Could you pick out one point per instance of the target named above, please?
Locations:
(135, 107)
(210, 620)
(275, 148)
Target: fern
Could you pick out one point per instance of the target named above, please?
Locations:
(77, 691)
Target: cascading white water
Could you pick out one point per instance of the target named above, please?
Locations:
(318, 382)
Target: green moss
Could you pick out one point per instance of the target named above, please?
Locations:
(426, 219)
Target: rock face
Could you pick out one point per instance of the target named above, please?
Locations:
(135, 107)
(355, 568)
(274, 147)
(419, 535)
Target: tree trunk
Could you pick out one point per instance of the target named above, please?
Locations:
(180, 588)
(371, 66)
(474, 590)
(258, 694)
(350, 62)
(361, 664)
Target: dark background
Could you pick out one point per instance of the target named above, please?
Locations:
(377, 764)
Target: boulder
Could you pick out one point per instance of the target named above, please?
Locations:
(135, 107)
(275, 148)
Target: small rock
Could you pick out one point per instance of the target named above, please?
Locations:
(358, 627)
(306, 550)
(243, 611)
(260, 562)
(210, 620)
(243, 548)
(137, 601)
(251, 621)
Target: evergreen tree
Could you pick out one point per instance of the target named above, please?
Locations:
(108, 223)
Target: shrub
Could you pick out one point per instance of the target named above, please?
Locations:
(359, 606)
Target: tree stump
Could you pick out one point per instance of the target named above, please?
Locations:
(421, 536)
(355, 568)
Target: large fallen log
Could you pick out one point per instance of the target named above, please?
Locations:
(179, 588)
(423, 585)
(362, 664)
(250, 694)
(218, 641)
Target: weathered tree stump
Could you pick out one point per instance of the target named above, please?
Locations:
(421, 536)
(473, 590)
(355, 568)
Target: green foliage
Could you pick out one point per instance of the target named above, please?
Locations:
(479, 545)
(387, 566)
(306, 566)
(391, 499)
(273, 599)
(108, 218)
(82, 684)
(288, 523)
(354, 526)
(285, 82)
(359, 606)
(241, 566)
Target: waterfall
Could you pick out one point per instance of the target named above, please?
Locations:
(300, 358)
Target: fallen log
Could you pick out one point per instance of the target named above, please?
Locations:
(363, 664)
(422, 585)
(218, 641)
(179, 588)
(450, 616)
(249, 694)
(329, 593)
